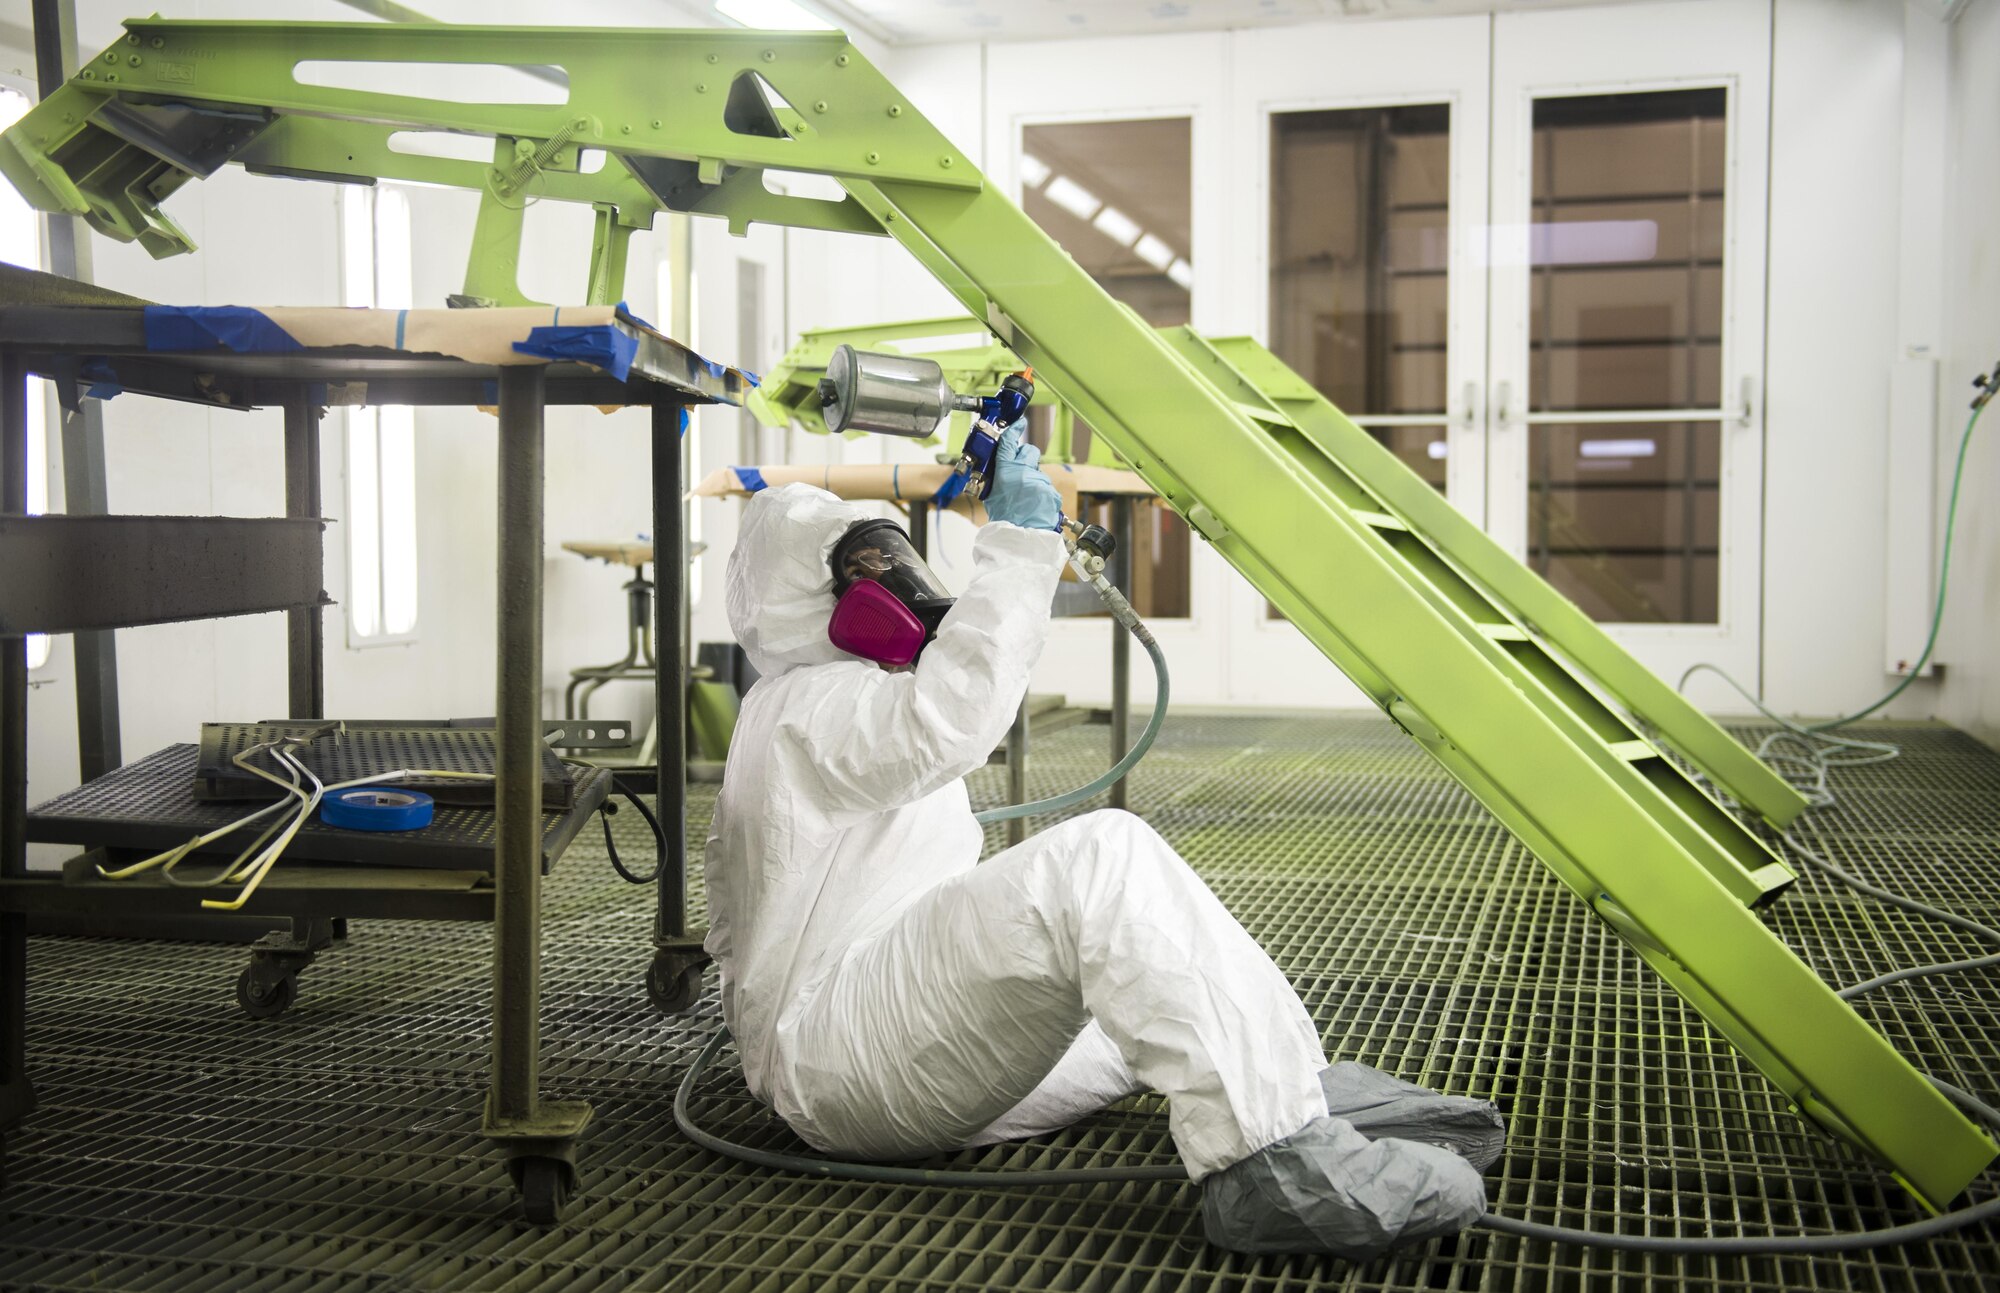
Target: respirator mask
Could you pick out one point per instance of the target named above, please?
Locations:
(888, 604)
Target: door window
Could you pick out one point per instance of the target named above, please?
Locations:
(1626, 251)
(1360, 259)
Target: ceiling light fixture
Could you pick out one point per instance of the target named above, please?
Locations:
(1034, 171)
(1072, 197)
(1117, 226)
(1155, 252)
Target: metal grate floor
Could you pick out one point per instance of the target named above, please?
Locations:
(179, 1145)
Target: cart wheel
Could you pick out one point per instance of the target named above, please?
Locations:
(544, 1185)
(269, 1004)
(672, 986)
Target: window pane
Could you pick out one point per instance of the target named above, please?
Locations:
(398, 448)
(1118, 196)
(1360, 254)
(1626, 251)
(1626, 520)
(1626, 312)
(364, 525)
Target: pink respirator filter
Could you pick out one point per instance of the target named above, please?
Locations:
(870, 622)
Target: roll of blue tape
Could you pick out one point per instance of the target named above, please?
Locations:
(377, 808)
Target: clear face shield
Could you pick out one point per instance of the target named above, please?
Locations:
(888, 604)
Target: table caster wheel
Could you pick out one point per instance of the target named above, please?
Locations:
(268, 1003)
(544, 1184)
(672, 985)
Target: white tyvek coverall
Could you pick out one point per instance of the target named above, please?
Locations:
(889, 997)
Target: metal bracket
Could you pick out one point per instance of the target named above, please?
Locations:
(590, 733)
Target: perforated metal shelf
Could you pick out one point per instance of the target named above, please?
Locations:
(364, 750)
(151, 804)
(179, 1145)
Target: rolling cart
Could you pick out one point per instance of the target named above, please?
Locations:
(86, 573)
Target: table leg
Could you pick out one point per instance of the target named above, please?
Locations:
(17, 1095)
(673, 981)
(305, 645)
(538, 1136)
(1121, 644)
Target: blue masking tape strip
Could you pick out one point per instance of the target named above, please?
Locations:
(751, 377)
(601, 346)
(953, 486)
(896, 482)
(402, 317)
(103, 379)
(684, 419)
(215, 327)
(750, 477)
(377, 808)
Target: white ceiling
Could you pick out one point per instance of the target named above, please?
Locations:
(916, 22)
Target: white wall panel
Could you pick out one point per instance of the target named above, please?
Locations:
(1971, 689)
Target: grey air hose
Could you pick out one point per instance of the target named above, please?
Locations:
(1121, 611)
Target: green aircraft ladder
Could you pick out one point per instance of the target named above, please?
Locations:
(1509, 687)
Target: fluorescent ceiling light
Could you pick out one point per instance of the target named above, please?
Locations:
(1117, 226)
(1183, 273)
(1034, 171)
(1618, 448)
(1072, 197)
(772, 15)
(1436, 449)
(1155, 252)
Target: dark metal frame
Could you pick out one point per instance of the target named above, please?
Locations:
(537, 1136)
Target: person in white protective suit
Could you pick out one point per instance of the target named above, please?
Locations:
(892, 997)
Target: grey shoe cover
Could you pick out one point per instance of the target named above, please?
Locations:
(1385, 1107)
(1326, 1188)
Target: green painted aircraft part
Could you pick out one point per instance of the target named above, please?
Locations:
(788, 397)
(1511, 688)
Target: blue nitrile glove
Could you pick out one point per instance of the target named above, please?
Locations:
(1021, 493)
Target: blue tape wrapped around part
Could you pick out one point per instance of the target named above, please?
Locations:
(215, 327)
(751, 377)
(601, 346)
(103, 379)
(626, 311)
(684, 420)
(750, 477)
(377, 808)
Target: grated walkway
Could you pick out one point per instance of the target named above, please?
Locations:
(182, 1146)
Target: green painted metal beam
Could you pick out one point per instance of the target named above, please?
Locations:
(1480, 664)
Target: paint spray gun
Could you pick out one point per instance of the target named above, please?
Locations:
(904, 396)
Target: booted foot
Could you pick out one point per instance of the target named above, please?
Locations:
(1328, 1189)
(1384, 1107)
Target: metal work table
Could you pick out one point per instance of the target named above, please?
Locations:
(81, 574)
